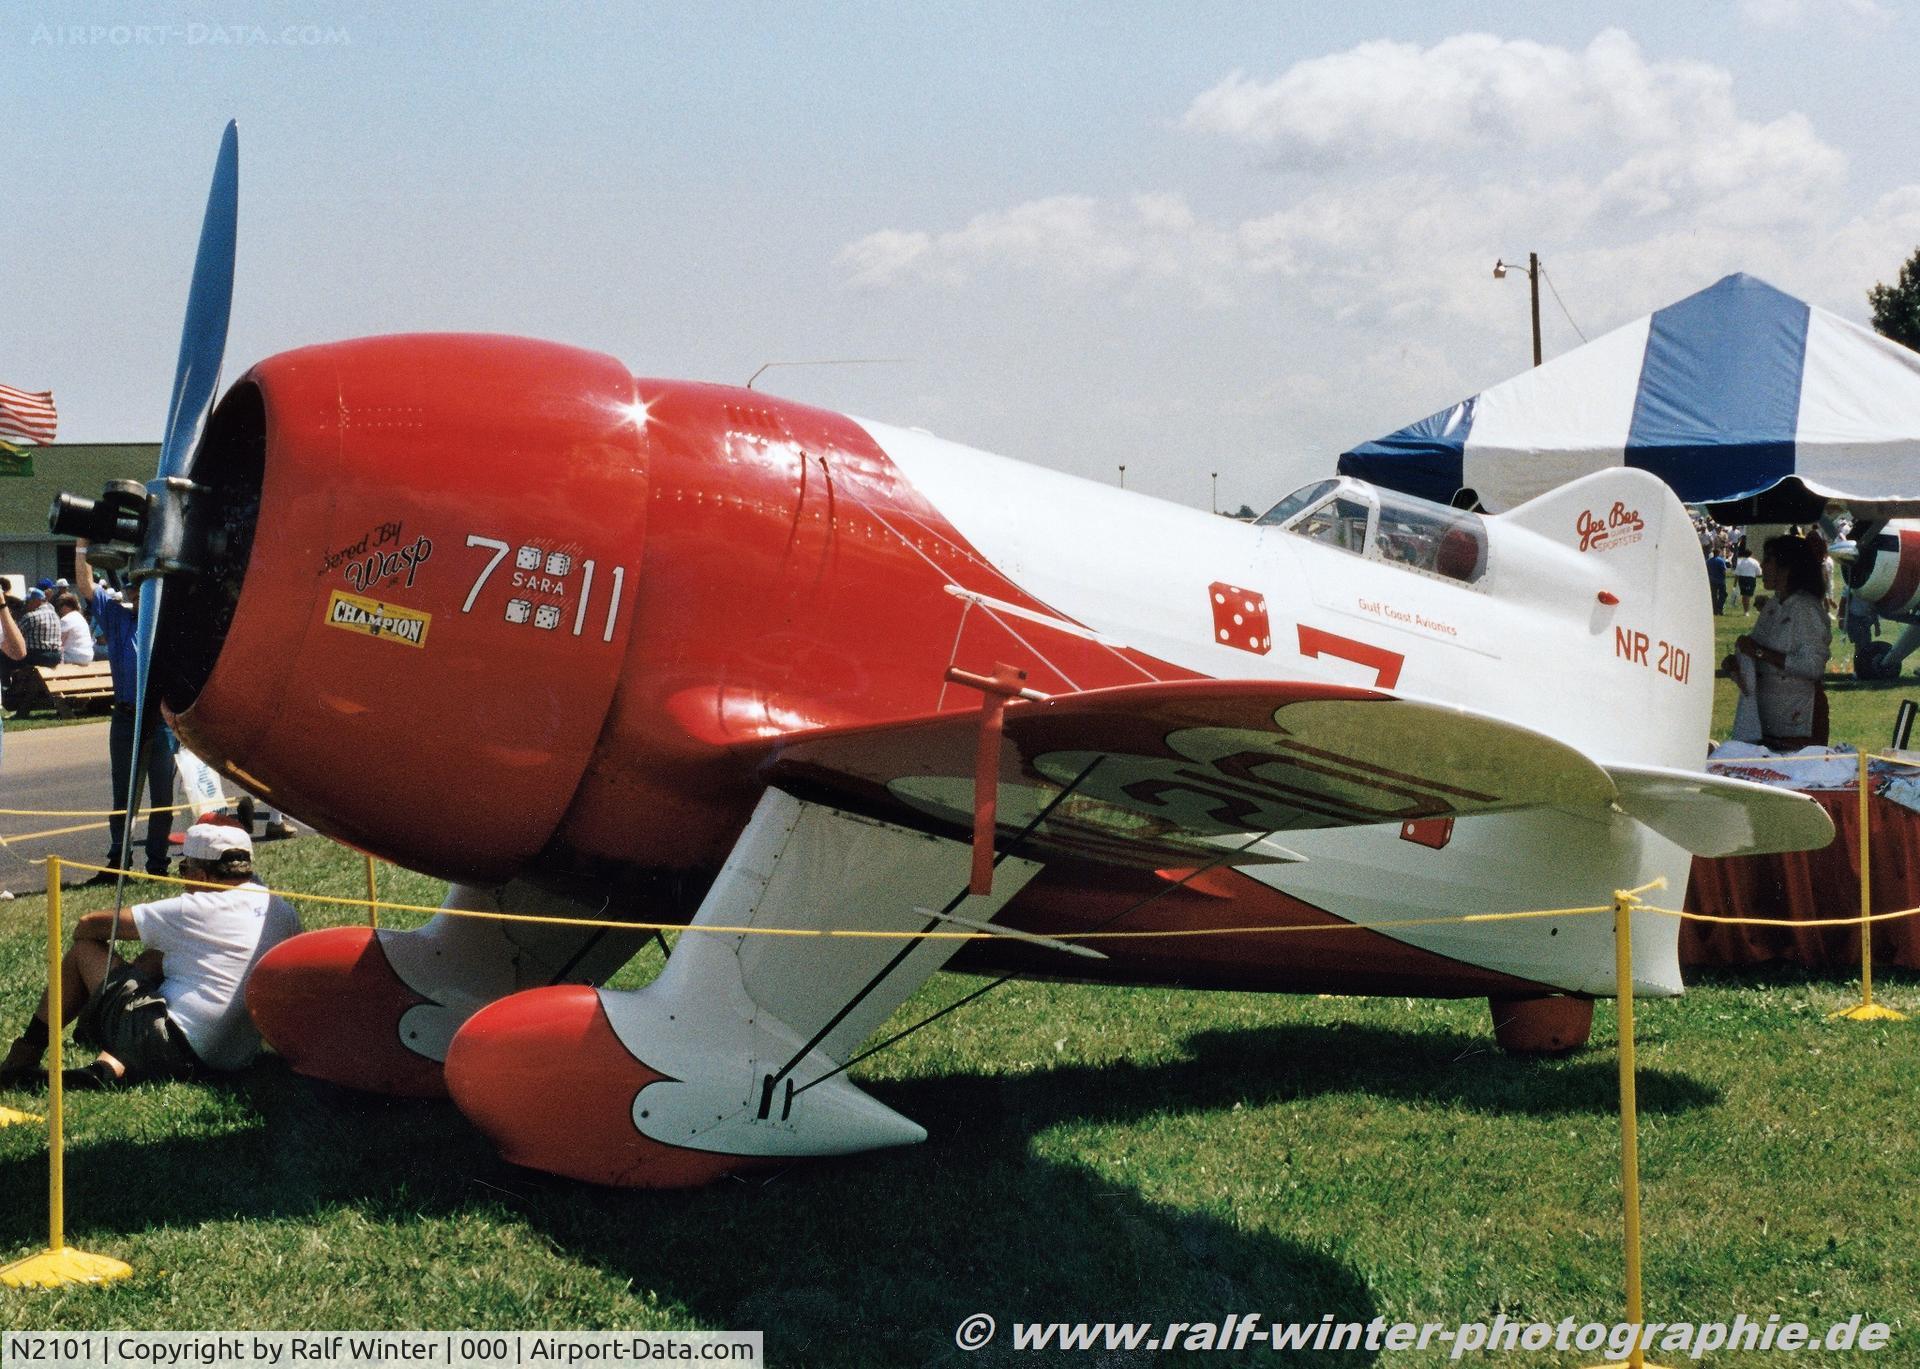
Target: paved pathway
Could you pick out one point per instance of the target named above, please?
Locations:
(57, 768)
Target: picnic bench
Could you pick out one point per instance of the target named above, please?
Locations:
(66, 689)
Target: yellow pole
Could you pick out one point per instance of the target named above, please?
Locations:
(58, 1264)
(1629, 1116)
(56, 1093)
(1866, 1010)
(373, 913)
(1866, 895)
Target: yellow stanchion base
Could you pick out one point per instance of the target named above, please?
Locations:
(1867, 1012)
(13, 1117)
(1627, 1364)
(52, 1268)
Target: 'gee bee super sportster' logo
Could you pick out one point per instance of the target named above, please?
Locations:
(375, 619)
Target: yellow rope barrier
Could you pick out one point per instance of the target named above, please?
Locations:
(8, 840)
(1850, 921)
(857, 933)
(1171, 932)
(90, 812)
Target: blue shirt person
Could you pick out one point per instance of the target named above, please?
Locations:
(117, 623)
(1717, 581)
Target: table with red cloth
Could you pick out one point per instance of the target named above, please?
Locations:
(1803, 885)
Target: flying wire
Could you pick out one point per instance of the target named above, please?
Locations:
(993, 984)
(1019, 840)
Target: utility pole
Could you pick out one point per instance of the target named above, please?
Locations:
(1533, 287)
(1500, 269)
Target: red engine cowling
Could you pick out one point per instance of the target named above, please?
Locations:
(1886, 569)
(421, 583)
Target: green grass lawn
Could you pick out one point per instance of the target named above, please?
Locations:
(1094, 1153)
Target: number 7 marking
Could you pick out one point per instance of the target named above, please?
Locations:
(1384, 664)
(499, 552)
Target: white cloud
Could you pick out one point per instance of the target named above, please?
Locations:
(1359, 295)
(1389, 100)
(1067, 240)
(1408, 169)
(884, 257)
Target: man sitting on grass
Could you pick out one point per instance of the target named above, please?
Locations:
(180, 1006)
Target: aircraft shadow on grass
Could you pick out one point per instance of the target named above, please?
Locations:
(869, 1260)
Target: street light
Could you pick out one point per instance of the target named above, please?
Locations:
(1123, 475)
(1500, 269)
(1216, 491)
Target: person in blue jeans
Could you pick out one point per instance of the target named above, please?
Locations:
(1717, 581)
(115, 621)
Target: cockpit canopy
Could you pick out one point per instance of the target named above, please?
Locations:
(1385, 525)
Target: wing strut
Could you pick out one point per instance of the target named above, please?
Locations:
(995, 690)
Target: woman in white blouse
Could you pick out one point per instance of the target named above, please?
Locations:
(1789, 644)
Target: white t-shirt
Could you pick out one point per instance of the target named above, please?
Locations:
(1748, 567)
(209, 940)
(76, 639)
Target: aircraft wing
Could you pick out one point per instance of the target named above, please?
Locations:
(1173, 774)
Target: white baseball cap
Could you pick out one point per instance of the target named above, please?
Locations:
(210, 841)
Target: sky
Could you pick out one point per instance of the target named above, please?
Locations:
(1186, 238)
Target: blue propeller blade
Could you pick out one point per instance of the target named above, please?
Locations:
(203, 338)
(143, 635)
(203, 342)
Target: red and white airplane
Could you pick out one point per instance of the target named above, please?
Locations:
(597, 646)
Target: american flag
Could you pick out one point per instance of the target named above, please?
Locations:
(27, 414)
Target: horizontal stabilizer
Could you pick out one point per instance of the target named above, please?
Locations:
(1712, 815)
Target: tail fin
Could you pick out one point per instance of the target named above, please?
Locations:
(1622, 554)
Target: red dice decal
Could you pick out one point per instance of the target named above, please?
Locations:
(1240, 618)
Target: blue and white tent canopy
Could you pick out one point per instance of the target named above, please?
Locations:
(1740, 396)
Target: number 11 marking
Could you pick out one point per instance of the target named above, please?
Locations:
(613, 609)
(586, 593)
